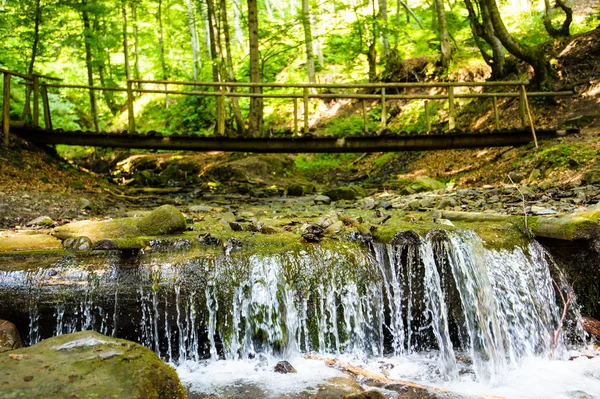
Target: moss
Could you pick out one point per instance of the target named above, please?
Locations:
(163, 220)
(96, 230)
(88, 364)
(29, 242)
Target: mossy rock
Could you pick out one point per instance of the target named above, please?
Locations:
(592, 176)
(29, 242)
(425, 183)
(341, 193)
(165, 219)
(97, 230)
(10, 339)
(87, 364)
(579, 226)
(295, 190)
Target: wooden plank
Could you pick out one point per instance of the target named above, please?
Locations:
(365, 119)
(383, 109)
(13, 73)
(6, 109)
(522, 106)
(295, 116)
(360, 144)
(46, 106)
(427, 118)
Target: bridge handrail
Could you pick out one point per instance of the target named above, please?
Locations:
(222, 90)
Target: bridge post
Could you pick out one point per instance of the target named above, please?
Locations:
(427, 119)
(305, 95)
(221, 112)
(36, 101)
(526, 101)
(295, 116)
(365, 120)
(6, 109)
(383, 109)
(451, 110)
(522, 106)
(131, 128)
(496, 115)
(46, 106)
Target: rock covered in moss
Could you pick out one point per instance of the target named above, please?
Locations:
(165, 219)
(341, 193)
(87, 364)
(295, 190)
(97, 230)
(9, 337)
(422, 184)
(25, 241)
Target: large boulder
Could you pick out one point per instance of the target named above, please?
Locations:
(87, 365)
(9, 337)
(165, 219)
(422, 184)
(341, 193)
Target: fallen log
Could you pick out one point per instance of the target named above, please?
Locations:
(358, 371)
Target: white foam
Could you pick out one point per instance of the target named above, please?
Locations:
(214, 377)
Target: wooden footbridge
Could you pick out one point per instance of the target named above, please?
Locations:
(384, 96)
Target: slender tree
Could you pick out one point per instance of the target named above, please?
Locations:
(442, 22)
(136, 41)
(255, 116)
(308, 42)
(193, 37)
(385, 38)
(228, 66)
(87, 35)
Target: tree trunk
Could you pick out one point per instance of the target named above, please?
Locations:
(445, 49)
(532, 56)
(192, 26)
(255, 117)
(125, 44)
(161, 42)
(101, 57)
(36, 36)
(136, 44)
(239, 36)
(385, 39)
(565, 29)
(308, 42)
(484, 31)
(239, 120)
(372, 49)
(214, 38)
(87, 33)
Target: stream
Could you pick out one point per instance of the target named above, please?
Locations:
(440, 310)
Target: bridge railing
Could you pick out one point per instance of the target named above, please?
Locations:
(299, 94)
(35, 85)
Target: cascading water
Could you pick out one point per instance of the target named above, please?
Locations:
(430, 302)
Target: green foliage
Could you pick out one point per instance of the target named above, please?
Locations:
(564, 156)
(318, 164)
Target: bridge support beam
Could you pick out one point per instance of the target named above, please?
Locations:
(383, 143)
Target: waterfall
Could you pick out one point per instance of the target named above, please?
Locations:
(443, 294)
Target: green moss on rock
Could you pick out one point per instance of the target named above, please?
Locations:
(163, 220)
(87, 365)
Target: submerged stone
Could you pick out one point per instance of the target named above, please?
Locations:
(78, 244)
(87, 364)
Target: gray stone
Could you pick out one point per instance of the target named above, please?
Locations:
(334, 228)
(414, 204)
(77, 243)
(42, 221)
(367, 203)
(538, 210)
(200, 208)
(322, 200)
(447, 202)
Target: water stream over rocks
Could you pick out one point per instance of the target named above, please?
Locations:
(439, 309)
